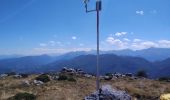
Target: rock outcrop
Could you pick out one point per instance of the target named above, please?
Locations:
(107, 93)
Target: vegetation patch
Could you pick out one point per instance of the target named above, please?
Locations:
(141, 73)
(44, 78)
(23, 96)
(24, 75)
(166, 79)
(72, 79)
(62, 77)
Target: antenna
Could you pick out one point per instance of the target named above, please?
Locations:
(97, 9)
(85, 2)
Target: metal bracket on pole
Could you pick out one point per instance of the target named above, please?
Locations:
(98, 6)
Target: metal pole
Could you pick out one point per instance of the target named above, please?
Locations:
(97, 67)
(98, 9)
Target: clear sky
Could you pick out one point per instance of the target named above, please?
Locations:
(59, 26)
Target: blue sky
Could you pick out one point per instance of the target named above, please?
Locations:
(59, 26)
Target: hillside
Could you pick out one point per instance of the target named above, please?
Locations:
(163, 67)
(108, 63)
(66, 90)
(151, 54)
(28, 64)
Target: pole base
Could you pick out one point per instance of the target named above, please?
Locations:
(107, 93)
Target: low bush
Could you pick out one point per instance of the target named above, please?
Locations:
(11, 73)
(24, 75)
(164, 79)
(108, 78)
(44, 78)
(72, 79)
(23, 96)
(62, 77)
(108, 74)
(141, 73)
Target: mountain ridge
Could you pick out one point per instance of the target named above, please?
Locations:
(85, 60)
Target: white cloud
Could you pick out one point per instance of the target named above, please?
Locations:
(140, 12)
(149, 44)
(136, 44)
(110, 40)
(109, 44)
(43, 44)
(164, 43)
(143, 45)
(52, 43)
(126, 39)
(56, 50)
(120, 33)
(137, 40)
(74, 37)
(116, 42)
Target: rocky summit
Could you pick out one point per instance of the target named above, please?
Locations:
(107, 93)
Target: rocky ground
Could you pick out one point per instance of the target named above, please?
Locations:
(143, 89)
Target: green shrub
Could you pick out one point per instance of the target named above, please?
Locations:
(24, 75)
(62, 77)
(44, 78)
(164, 79)
(72, 79)
(11, 73)
(141, 73)
(23, 96)
(109, 74)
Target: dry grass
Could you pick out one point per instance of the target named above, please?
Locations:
(65, 90)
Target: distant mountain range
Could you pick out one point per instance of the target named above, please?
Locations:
(151, 54)
(113, 63)
(123, 61)
(9, 56)
(108, 63)
(25, 64)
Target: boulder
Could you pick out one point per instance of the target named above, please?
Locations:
(107, 93)
(26, 83)
(36, 82)
(55, 77)
(108, 77)
(17, 76)
(129, 74)
(88, 75)
(2, 76)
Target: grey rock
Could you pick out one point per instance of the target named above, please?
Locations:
(26, 83)
(17, 76)
(3, 76)
(107, 93)
(36, 82)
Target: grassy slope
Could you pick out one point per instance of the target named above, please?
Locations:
(64, 90)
